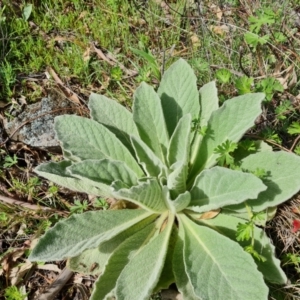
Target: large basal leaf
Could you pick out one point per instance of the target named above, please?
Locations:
(167, 277)
(93, 261)
(57, 173)
(217, 187)
(181, 278)
(178, 153)
(179, 94)
(178, 149)
(217, 267)
(87, 139)
(146, 194)
(113, 116)
(282, 177)
(70, 237)
(176, 179)
(148, 115)
(151, 164)
(119, 259)
(141, 274)
(209, 102)
(227, 225)
(229, 122)
(103, 171)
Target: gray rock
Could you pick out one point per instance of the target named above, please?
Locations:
(39, 118)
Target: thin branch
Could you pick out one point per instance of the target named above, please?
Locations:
(12, 201)
(57, 285)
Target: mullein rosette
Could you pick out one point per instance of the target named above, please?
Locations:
(187, 208)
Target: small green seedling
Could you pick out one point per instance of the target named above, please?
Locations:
(294, 128)
(223, 75)
(253, 39)
(244, 84)
(269, 86)
(265, 16)
(79, 207)
(187, 220)
(101, 203)
(10, 161)
(13, 293)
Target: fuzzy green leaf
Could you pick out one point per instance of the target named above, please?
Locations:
(219, 268)
(90, 261)
(218, 187)
(271, 267)
(71, 236)
(119, 259)
(146, 194)
(113, 116)
(181, 278)
(229, 122)
(103, 171)
(209, 102)
(140, 276)
(167, 276)
(282, 178)
(151, 164)
(178, 152)
(182, 201)
(57, 173)
(93, 261)
(179, 94)
(88, 139)
(148, 115)
(178, 149)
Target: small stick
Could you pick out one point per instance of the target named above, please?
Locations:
(23, 204)
(57, 285)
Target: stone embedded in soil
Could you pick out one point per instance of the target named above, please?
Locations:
(39, 128)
